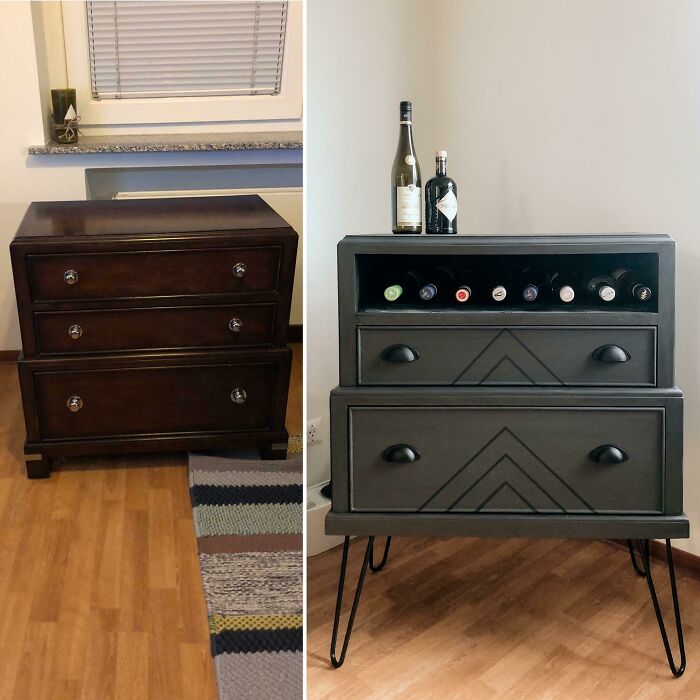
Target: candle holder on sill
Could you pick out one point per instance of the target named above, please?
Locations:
(64, 120)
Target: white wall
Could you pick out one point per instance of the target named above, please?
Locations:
(558, 116)
(361, 59)
(24, 179)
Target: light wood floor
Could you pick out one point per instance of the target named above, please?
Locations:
(100, 592)
(469, 618)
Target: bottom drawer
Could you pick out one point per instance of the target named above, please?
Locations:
(104, 399)
(527, 454)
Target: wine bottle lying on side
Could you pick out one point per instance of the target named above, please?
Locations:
(632, 284)
(532, 284)
(466, 281)
(500, 285)
(563, 286)
(405, 286)
(601, 287)
(439, 284)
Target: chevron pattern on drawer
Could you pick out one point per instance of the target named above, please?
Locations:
(506, 359)
(506, 475)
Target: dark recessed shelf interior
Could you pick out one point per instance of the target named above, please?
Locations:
(482, 272)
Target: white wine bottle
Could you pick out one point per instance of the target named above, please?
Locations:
(406, 191)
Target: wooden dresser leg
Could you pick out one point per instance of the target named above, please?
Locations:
(38, 466)
(275, 450)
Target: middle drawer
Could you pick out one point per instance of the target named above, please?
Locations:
(161, 328)
(507, 356)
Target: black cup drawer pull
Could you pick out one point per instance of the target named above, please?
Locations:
(608, 454)
(400, 353)
(611, 353)
(400, 454)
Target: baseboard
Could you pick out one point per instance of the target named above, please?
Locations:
(317, 507)
(682, 561)
(9, 355)
(295, 333)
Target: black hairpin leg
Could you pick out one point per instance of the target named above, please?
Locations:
(338, 662)
(677, 671)
(637, 569)
(378, 567)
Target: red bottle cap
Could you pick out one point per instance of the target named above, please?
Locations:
(463, 294)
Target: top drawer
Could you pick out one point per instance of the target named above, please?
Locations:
(149, 273)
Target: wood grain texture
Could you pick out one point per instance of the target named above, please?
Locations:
(100, 590)
(479, 618)
(144, 216)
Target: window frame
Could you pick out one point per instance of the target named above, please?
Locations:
(287, 105)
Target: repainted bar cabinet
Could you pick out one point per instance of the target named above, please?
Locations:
(513, 418)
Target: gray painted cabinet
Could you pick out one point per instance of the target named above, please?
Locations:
(546, 419)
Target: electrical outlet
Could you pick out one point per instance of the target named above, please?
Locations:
(313, 431)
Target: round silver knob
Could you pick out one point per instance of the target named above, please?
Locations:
(74, 403)
(70, 276)
(235, 325)
(75, 331)
(239, 269)
(238, 395)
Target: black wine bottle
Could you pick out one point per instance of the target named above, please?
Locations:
(406, 284)
(601, 287)
(466, 283)
(438, 283)
(441, 199)
(632, 284)
(406, 191)
(563, 286)
(532, 284)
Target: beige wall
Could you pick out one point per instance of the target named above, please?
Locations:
(24, 179)
(360, 64)
(558, 116)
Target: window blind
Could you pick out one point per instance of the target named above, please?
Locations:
(185, 49)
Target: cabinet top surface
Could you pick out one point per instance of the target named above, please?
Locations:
(184, 215)
(400, 240)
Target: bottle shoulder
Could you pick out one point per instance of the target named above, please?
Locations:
(443, 182)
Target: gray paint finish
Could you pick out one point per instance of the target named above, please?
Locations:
(479, 525)
(505, 407)
(350, 316)
(514, 355)
(504, 460)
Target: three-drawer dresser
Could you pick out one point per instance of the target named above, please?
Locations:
(499, 386)
(153, 325)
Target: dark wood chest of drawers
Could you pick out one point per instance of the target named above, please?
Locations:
(516, 419)
(153, 326)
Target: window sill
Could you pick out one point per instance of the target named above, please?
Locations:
(264, 140)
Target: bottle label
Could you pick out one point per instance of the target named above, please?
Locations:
(410, 160)
(448, 206)
(408, 211)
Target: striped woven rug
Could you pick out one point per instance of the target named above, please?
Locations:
(248, 521)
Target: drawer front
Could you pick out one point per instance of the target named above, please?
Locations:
(506, 460)
(129, 401)
(514, 356)
(74, 332)
(153, 273)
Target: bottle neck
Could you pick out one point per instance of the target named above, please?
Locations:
(406, 134)
(441, 167)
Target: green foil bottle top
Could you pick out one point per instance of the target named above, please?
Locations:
(393, 293)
